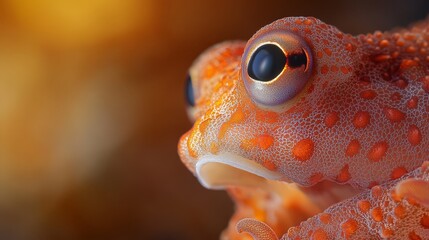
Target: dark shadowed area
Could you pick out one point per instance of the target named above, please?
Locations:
(92, 108)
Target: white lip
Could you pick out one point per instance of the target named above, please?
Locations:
(226, 169)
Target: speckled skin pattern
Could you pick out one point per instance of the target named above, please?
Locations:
(360, 126)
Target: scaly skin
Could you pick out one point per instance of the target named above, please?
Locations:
(344, 155)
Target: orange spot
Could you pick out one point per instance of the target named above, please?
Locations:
(303, 150)
(344, 174)
(350, 47)
(414, 135)
(222, 131)
(353, 148)
(327, 51)
(425, 221)
(331, 119)
(410, 36)
(407, 63)
(210, 71)
(315, 178)
(308, 22)
(344, 70)
(203, 126)
(377, 214)
(412, 201)
(368, 94)
(396, 96)
(269, 165)
(412, 103)
(298, 21)
(383, 43)
(325, 218)
(378, 34)
(400, 211)
(401, 83)
(400, 42)
(376, 192)
(214, 148)
(324, 69)
(413, 236)
(425, 166)
(425, 82)
(319, 54)
(192, 152)
(248, 144)
(411, 49)
(377, 152)
(361, 119)
(323, 25)
(236, 117)
(320, 234)
(386, 232)
(265, 141)
(219, 85)
(349, 227)
(267, 116)
(334, 68)
(307, 30)
(364, 206)
(381, 58)
(393, 114)
(398, 172)
(395, 196)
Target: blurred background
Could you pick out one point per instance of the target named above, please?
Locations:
(92, 107)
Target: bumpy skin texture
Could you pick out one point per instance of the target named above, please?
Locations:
(361, 121)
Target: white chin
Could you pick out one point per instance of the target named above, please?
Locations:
(226, 169)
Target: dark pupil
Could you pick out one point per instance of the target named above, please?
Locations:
(266, 63)
(297, 60)
(189, 91)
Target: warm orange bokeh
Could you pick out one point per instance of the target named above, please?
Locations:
(91, 109)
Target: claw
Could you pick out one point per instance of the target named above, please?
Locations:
(257, 229)
(416, 190)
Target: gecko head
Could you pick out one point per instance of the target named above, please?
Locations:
(302, 102)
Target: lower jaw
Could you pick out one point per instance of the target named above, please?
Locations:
(283, 205)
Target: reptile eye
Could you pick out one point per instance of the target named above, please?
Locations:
(276, 67)
(189, 92)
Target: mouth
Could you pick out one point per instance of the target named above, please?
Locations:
(270, 193)
(224, 170)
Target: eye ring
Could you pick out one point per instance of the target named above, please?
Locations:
(277, 85)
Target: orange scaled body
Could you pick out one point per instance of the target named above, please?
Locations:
(333, 147)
